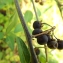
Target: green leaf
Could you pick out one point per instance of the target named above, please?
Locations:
(1, 35)
(1, 55)
(28, 15)
(13, 21)
(3, 2)
(38, 12)
(13, 62)
(18, 28)
(10, 41)
(30, 30)
(9, 1)
(23, 51)
(42, 57)
(1, 6)
(52, 61)
(46, 9)
(1, 27)
(4, 61)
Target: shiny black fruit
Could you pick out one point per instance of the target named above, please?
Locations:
(52, 44)
(60, 44)
(37, 51)
(49, 37)
(37, 25)
(42, 39)
(36, 31)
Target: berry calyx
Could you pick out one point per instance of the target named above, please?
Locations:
(52, 44)
(60, 44)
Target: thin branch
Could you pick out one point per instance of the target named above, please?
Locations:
(47, 24)
(59, 3)
(59, 6)
(27, 34)
(44, 32)
(39, 47)
(46, 52)
(35, 10)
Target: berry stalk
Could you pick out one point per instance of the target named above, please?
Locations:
(35, 10)
(44, 32)
(45, 46)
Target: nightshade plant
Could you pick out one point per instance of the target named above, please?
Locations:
(12, 35)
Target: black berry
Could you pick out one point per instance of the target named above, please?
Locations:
(36, 31)
(52, 44)
(37, 25)
(60, 44)
(37, 51)
(49, 37)
(42, 39)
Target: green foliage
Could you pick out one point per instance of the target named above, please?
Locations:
(5, 3)
(18, 28)
(1, 27)
(10, 41)
(23, 51)
(38, 12)
(46, 9)
(13, 21)
(52, 61)
(28, 15)
(1, 55)
(42, 58)
(1, 35)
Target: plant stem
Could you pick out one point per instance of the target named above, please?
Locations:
(27, 34)
(47, 24)
(46, 52)
(44, 32)
(35, 10)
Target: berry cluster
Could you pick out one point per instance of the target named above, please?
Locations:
(42, 39)
(46, 38)
(60, 44)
